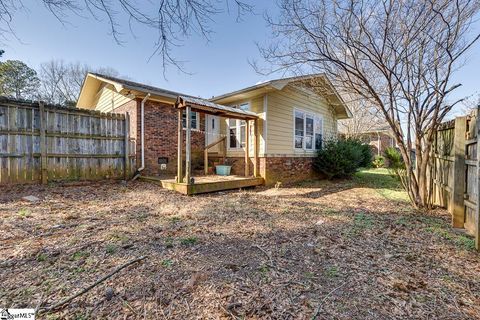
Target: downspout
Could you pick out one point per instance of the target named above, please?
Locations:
(142, 135)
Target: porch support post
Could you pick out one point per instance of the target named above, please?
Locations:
(205, 151)
(188, 166)
(247, 147)
(179, 148)
(255, 148)
(205, 161)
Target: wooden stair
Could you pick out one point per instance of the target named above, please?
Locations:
(214, 157)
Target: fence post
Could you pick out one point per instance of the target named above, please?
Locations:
(43, 144)
(127, 147)
(477, 200)
(458, 188)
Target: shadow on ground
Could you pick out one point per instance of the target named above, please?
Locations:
(318, 250)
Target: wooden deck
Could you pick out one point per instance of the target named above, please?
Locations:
(205, 184)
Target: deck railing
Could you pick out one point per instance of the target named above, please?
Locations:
(223, 150)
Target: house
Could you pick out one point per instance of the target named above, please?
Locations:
(294, 117)
(379, 139)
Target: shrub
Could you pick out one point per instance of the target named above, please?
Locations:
(396, 166)
(342, 158)
(379, 162)
(394, 158)
(367, 155)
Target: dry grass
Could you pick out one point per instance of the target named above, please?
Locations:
(320, 250)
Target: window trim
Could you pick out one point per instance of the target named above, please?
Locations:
(237, 127)
(295, 111)
(198, 121)
(312, 115)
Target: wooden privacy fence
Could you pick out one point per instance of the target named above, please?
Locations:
(44, 142)
(455, 172)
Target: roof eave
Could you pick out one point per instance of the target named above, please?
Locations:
(151, 92)
(118, 86)
(242, 91)
(209, 107)
(340, 115)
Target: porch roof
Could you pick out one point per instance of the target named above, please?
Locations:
(208, 107)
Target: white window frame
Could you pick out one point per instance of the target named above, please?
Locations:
(311, 115)
(238, 125)
(198, 120)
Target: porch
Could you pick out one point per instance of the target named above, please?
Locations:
(205, 184)
(184, 182)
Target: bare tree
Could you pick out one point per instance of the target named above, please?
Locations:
(365, 118)
(61, 82)
(469, 104)
(174, 20)
(399, 55)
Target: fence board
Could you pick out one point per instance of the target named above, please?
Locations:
(79, 144)
(455, 177)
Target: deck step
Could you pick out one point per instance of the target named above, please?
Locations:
(211, 186)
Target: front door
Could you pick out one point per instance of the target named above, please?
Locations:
(212, 126)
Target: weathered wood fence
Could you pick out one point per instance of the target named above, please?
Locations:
(455, 172)
(40, 143)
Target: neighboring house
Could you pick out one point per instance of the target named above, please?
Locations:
(379, 139)
(293, 122)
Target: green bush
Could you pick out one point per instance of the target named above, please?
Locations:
(342, 158)
(394, 158)
(379, 162)
(367, 155)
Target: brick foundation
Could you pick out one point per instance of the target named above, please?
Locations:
(287, 169)
(277, 169)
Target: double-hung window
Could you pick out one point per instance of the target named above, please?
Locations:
(233, 142)
(237, 130)
(194, 120)
(318, 132)
(308, 131)
(299, 129)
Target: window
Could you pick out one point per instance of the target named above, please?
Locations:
(237, 130)
(194, 120)
(233, 137)
(299, 129)
(318, 132)
(308, 131)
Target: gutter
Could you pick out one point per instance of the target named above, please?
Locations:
(142, 134)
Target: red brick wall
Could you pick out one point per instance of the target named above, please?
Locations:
(161, 136)
(277, 169)
(287, 169)
(372, 140)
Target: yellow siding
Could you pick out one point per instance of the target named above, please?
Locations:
(280, 121)
(256, 105)
(108, 99)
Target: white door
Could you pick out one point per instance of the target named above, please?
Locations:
(212, 126)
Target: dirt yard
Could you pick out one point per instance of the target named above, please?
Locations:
(345, 250)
